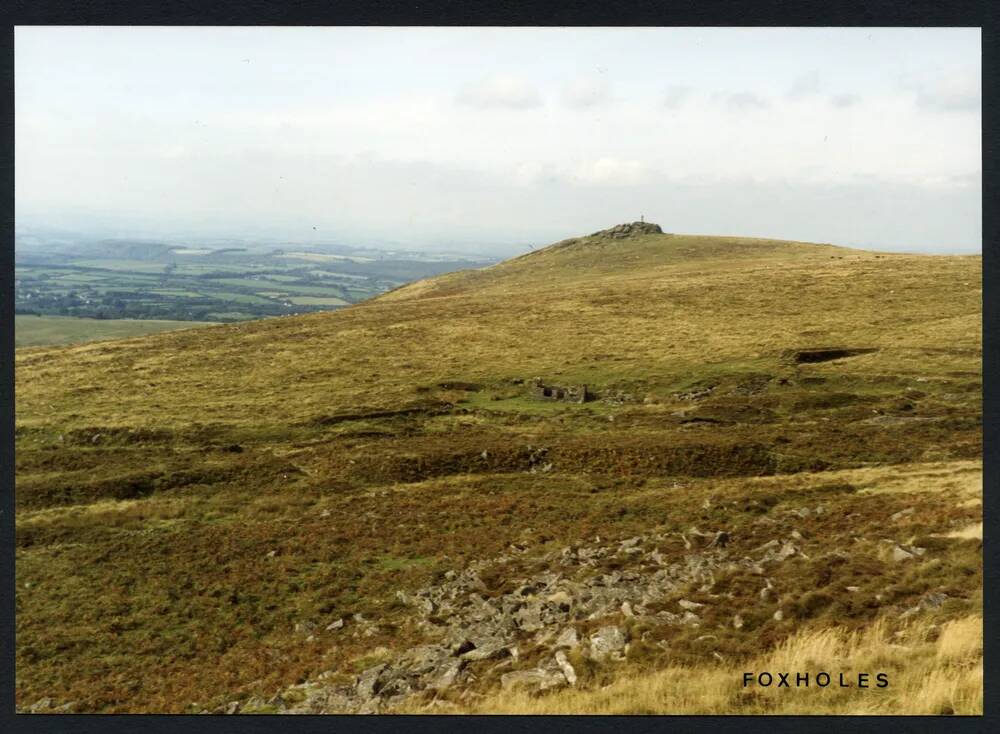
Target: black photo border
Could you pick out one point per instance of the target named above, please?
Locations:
(593, 13)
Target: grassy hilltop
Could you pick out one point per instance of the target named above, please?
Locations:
(250, 516)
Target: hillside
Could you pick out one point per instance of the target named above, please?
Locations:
(33, 331)
(209, 518)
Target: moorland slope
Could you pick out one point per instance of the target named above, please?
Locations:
(389, 506)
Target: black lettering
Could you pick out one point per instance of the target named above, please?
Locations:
(883, 680)
(842, 683)
(800, 677)
(820, 677)
(746, 679)
(783, 680)
(770, 679)
(862, 680)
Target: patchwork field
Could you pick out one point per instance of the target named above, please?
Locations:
(777, 466)
(125, 280)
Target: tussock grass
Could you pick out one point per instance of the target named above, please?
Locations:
(969, 531)
(943, 676)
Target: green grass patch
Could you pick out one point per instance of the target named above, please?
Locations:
(35, 331)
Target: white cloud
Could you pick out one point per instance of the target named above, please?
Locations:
(844, 100)
(675, 95)
(529, 173)
(805, 86)
(587, 92)
(610, 172)
(743, 101)
(281, 139)
(956, 92)
(500, 91)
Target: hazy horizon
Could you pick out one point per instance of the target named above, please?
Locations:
(494, 139)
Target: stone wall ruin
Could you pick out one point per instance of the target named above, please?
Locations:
(565, 393)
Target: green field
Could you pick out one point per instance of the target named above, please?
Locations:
(37, 331)
(314, 301)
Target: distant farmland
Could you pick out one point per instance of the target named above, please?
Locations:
(135, 280)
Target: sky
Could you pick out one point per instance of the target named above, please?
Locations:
(501, 138)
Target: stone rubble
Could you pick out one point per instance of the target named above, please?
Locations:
(522, 629)
(473, 631)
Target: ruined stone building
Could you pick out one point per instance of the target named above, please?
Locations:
(565, 393)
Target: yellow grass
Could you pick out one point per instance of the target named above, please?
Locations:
(944, 676)
(962, 480)
(971, 531)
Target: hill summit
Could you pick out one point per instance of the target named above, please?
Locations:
(629, 229)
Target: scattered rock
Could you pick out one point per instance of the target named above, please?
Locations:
(41, 704)
(473, 630)
(607, 641)
(445, 677)
(368, 682)
(632, 229)
(928, 602)
(529, 617)
(934, 600)
(561, 599)
(697, 394)
(691, 618)
(486, 650)
(568, 639)
(566, 667)
(538, 679)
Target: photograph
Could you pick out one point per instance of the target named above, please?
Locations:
(513, 370)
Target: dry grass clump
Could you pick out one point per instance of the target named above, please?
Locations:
(942, 676)
(970, 531)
